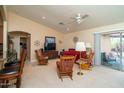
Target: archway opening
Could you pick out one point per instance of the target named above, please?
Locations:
(17, 40)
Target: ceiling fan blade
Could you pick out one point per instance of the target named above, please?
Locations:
(71, 22)
(73, 18)
(78, 19)
(85, 16)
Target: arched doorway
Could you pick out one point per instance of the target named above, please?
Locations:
(20, 40)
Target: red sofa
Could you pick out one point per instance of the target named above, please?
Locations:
(73, 52)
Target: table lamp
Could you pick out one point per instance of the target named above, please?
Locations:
(88, 45)
(80, 46)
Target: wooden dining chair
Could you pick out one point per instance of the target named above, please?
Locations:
(14, 63)
(13, 73)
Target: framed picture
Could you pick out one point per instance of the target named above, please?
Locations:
(50, 39)
(50, 43)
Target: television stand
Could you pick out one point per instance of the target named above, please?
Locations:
(52, 54)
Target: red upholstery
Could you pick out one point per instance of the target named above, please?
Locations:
(73, 53)
(83, 54)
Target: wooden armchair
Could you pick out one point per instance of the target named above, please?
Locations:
(42, 59)
(13, 73)
(65, 66)
(87, 63)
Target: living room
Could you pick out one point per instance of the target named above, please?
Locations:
(80, 24)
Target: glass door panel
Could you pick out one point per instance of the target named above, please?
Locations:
(115, 52)
(122, 67)
(111, 50)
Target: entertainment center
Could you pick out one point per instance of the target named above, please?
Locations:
(51, 54)
(50, 48)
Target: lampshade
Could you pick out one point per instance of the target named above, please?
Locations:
(88, 45)
(80, 46)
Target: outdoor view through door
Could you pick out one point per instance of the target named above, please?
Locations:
(112, 50)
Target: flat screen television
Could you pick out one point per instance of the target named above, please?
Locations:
(50, 43)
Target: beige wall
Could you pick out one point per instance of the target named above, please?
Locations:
(88, 35)
(37, 31)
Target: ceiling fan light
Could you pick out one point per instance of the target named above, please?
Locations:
(78, 21)
(78, 15)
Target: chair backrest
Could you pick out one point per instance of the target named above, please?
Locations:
(22, 53)
(66, 63)
(22, 60)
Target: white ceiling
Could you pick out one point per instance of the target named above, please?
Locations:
(98, 15)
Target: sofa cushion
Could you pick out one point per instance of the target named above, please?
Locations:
(83, 54)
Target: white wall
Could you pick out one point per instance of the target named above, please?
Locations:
(5, 30)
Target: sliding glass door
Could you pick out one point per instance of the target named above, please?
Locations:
(112, 50)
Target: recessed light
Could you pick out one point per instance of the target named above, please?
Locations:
(43, 17)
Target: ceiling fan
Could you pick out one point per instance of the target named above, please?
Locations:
(79, 18)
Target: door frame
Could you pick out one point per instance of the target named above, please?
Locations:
(28, 35)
